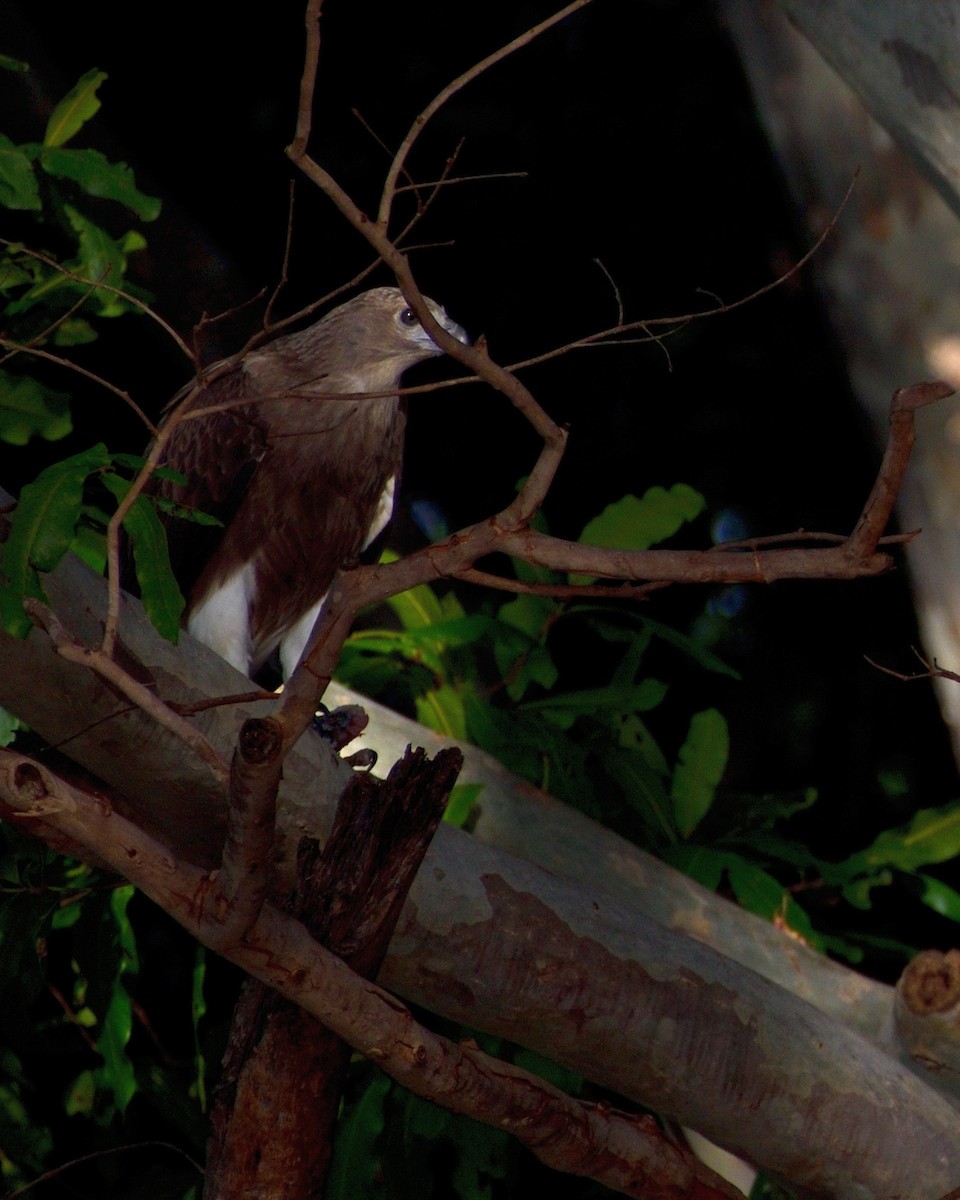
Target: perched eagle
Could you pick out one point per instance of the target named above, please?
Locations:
(301, 470)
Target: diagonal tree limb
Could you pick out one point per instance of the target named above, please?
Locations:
(629, 1154)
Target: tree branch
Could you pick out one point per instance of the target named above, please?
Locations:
(629, 1154)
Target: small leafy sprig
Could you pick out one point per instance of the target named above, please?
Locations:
(51, 296)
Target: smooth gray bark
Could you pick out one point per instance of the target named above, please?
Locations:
(890, 273)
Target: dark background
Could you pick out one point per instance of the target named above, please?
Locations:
(636, 130)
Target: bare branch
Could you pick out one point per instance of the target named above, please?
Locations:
(560, 591)
(879, 506)
(853, 557)
(439, 183)
(931, 670)
(308, 78)
(243, 879)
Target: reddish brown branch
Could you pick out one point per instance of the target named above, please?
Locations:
(879, 506)
(853, 557)
(243, 880)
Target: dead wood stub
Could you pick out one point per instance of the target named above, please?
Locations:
(283, 1072)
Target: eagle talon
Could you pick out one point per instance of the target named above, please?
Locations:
(340, 726)
(362, 760)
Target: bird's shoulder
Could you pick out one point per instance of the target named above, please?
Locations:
(217, 439)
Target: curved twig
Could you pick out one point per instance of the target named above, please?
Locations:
(390, 184)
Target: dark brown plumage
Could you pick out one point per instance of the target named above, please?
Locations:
(301, 480)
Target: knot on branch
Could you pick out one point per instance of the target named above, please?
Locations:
(260, 740)
(28, 781)
(931, 982)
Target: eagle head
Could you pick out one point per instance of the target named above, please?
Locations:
(380, 336)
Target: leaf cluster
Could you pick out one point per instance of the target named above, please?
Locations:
(79, 1071)
(499, 677)
(50, 297)
(63, 510)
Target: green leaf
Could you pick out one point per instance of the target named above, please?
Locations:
(640, 697)
(643, 787)
(136, 463)
(638, 524)
(699, 653)
(858, 892)
(100, 260)
(13, 64)
(74, 110)
(532, 615)
(198, 1010)
(525, 659)
(702, 761)
(758, 891)
(17, 270)
(702, 863)
(635, 735)
(417, 607)
(442, 709)
(461, 803)
(100, 177)
(18, 183)
(28, 408)
(42, 529)
(90, 545)
(74, 331)
(117, 1072)
(941, 898)
(80, 1097)
(159, 591)
(933, 836)
(356, 1163)
(755, 889)
(9, 726)
(25, 1142)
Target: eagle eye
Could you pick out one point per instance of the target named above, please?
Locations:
(409, 318)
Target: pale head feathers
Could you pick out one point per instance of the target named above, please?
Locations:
(365, 345)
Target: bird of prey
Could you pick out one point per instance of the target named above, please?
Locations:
(300, 467)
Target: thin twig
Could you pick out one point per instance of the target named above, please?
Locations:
(107, 287)
(560, 591)
(127, 399)
(439, 183)
(390, 184)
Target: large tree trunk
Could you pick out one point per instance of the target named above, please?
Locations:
(890, 272)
